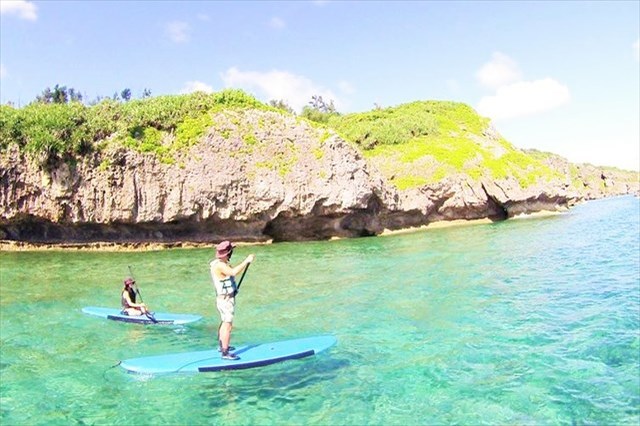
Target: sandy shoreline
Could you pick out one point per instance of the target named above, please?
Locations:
(466, 222)
(437, 225)
(12, 246)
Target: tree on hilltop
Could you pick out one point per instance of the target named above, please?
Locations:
(280, 104)
(125, 94)
(318, 110)
(319, 104)
(59, 95)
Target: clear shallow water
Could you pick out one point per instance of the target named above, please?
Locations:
(530, 321)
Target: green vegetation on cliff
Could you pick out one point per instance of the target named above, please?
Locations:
(423, 142)
(413, 144)
(53, 131)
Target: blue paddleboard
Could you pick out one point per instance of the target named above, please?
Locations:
(161, 317)
(251, 356)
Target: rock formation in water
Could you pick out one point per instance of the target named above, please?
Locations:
(257, 176)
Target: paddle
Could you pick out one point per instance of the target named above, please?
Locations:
(135, 283)
(242, 278)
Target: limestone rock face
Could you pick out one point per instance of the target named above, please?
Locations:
(255, 176)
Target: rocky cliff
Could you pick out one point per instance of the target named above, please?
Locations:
(259, 176)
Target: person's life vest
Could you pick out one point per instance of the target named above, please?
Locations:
(224, 287)
(123, 300)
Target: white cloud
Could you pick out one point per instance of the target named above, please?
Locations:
(196, 86)
(499, 71)
(3, 71)
(524, 98)
(277, 23)
(178, 31)
(23, 9)
(295, 90)
(203, 17)
(636, 50)
(346, 87)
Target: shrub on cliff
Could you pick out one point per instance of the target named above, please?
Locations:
(47, 131)
(423, 142)
(397, 125)
(56, 131)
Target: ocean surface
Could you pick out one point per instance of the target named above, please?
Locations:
(527, 321)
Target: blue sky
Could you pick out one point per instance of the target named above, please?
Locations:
(557, 76)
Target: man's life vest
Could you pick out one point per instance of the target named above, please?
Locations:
(224, 287)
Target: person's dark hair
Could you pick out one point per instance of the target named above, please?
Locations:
(132, 293)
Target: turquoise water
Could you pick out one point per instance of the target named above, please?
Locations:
(529, 321)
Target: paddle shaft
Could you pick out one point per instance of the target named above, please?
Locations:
(135, 283)
(242, 277)
(146, 313)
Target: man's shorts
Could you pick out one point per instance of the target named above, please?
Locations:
(226, 306)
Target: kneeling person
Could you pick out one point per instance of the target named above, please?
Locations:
(128, 300)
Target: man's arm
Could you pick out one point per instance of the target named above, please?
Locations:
(228, 271)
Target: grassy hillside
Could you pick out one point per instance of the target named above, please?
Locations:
(423, 142)
(163, 125)
(412, 144)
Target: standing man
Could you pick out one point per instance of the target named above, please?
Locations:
(224, 281)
